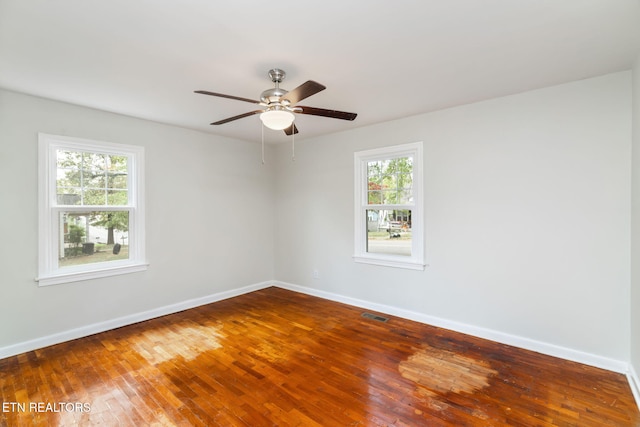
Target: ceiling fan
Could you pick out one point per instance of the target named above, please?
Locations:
(281, 104)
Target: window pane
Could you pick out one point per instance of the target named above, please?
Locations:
(68, 177)
(117, 180)
(94, 162)
(94, 197)
(68, 196)
(375, 198)
(93, 179)
(69, 159)
(374, 169)
(117, 164)
(405, 180)
(117, 197)
(390, 181)
(405, 197)
(389, 232)
(88, 177)
(93, 237)
(390, 197)
(373, 193)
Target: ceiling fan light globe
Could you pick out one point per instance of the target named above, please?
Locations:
(277, 119)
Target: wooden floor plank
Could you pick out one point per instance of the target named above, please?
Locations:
(275, 357)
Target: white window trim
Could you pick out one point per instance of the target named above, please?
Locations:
(416, 260)
(48, 234)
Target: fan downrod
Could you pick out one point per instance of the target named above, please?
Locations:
(275, 94)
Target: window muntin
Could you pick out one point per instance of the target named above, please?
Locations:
(388, 197)
(91, 210)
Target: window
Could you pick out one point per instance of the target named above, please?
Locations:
(388, 206)
(91, 220)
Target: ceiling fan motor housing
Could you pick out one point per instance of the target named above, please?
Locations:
(272, 95)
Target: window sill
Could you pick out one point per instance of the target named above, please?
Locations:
(390, 262)
(77, 276)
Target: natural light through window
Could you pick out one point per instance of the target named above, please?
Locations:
(91, 213)
(388, 197)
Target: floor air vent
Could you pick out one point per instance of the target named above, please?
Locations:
(374, 317)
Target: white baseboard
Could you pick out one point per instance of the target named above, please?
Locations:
(95, 328)
(497, 336)
(501, 337)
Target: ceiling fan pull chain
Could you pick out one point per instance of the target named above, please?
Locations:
(293, 145)
(262, 127)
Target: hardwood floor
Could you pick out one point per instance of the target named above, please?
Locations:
(275, 357)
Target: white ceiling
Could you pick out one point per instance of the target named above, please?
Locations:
(380, 59)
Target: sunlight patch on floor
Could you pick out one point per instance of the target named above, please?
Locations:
(163, 344)
(440, 372)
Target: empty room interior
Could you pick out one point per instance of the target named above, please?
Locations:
(340, 213)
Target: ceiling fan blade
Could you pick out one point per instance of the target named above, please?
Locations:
(303, 91)
(222, 95)
(240, 116)
(291, 129)
(343, 115)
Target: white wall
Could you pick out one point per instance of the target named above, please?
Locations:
(209, 219)
(635, 231)
(527, 216)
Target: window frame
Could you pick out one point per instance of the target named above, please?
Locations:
(49, 273)
(361, 180)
